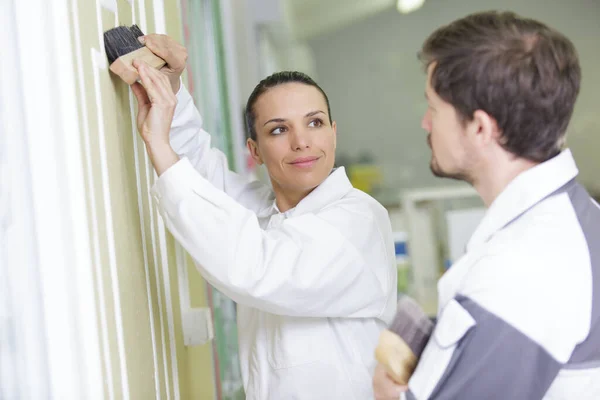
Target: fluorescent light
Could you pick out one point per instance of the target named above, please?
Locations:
(408, 6)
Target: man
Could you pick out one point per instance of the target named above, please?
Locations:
(519, 313)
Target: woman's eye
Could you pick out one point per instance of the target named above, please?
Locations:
(278, 131)
(316, 123)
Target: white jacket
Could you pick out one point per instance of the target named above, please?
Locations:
(519, 313)
(314, 285)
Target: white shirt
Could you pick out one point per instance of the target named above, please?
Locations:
(314, 285)
(519, 313)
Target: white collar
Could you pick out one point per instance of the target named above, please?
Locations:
(523, 192)
(333, 188)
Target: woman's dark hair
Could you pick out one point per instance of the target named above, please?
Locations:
(278, 78)
(518, 70)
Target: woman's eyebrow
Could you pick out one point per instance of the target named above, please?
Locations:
(313, 113)
(278, 120)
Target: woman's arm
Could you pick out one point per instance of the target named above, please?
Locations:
(187, 137)
(334, 263)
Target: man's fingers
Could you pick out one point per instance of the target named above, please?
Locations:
(389, 392)
(384, 387)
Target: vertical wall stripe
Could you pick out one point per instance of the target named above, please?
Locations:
(182, 279)
(169, 305)
(148, 168)
(143, 25)
(99, 63)
(159, 17)
(145, 248)
(88, 332)
(140, 194)
(160, 27)
(93, 207)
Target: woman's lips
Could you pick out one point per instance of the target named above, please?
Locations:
(304, 162)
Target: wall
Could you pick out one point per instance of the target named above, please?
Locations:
(375, 83)
(133, 256)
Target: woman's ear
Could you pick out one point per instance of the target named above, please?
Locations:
(254, 152)
(334, 128)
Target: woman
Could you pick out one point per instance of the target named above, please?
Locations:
(310, 261)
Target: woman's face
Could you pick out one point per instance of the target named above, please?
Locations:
(295, 140)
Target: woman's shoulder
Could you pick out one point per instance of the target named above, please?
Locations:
(356, 209)
(360, 201)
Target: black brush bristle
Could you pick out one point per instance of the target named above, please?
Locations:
(136, 31)
(412, 325)
(121, 40)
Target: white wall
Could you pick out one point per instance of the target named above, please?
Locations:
(375, 83)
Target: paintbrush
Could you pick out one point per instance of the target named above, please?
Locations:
(401, 345)
(122, 47)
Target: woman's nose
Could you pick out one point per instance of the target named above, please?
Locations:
(299, 140)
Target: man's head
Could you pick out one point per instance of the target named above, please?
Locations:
(497, 82)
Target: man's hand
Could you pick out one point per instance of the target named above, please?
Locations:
(384, 387)
(156, 106)
(172, 52)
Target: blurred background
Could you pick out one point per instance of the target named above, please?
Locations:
(96, 298)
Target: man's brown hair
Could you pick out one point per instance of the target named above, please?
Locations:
(518, 70)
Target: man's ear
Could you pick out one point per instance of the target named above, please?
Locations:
(254, 152)
(484, 128)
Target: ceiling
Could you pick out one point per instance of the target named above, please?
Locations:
(311, 18)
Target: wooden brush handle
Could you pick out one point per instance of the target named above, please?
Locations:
(123, 66)
(396, 357)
